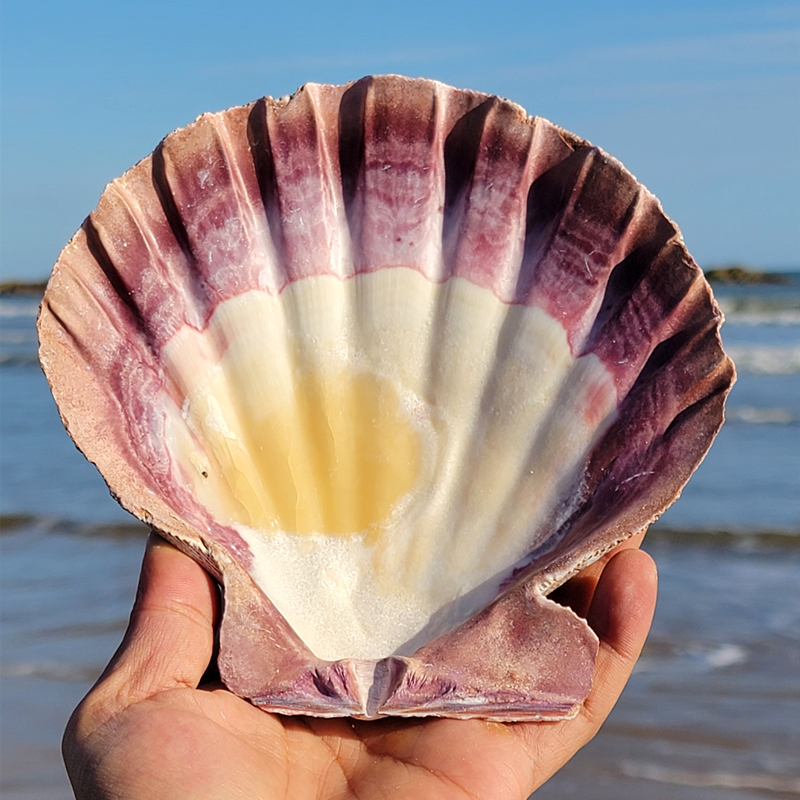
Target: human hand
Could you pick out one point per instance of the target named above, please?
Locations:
(152, 727)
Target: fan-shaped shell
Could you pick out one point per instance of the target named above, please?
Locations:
(392, 360)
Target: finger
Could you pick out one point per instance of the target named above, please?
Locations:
(577, 592)
(620, 614)
(170, 637)
(623, 600)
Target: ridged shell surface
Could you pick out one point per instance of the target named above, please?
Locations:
(392, 360)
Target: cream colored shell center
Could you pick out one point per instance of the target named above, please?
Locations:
(388, 447)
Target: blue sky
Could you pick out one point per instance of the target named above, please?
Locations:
(700, 100)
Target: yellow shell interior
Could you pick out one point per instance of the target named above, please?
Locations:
(388, 447)
(333, 457)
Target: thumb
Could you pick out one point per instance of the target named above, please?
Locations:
(621, 614)
(170, 636)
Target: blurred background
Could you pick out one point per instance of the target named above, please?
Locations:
(700, 100)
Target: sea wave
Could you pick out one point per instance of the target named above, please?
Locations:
(727, 780)
(766, 360)
(781, 307)
(51, 671)
(760, 416)
(12, 523)
(659, 533)
(692, 656)
(744, 310)
(787, 316)
(18, 337)
(19, 360)
(19, 308)
(743, 538)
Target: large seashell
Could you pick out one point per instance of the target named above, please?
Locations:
(392, 360)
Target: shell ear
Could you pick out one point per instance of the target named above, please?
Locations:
(523, 658)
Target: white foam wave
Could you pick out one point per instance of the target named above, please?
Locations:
(52, 671)
(727, 780)
(707, 657)
(766, 360)
(693, 657)
(725, 656)
(29, 308)
(757, 311)
(789, 316)
(760, 416)
(17, 337)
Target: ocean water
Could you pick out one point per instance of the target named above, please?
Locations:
(712, 711)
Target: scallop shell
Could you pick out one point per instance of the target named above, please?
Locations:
(392, 360)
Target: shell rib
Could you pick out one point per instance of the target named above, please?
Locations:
(392, 360)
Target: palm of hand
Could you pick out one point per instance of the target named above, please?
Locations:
(147, 730)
